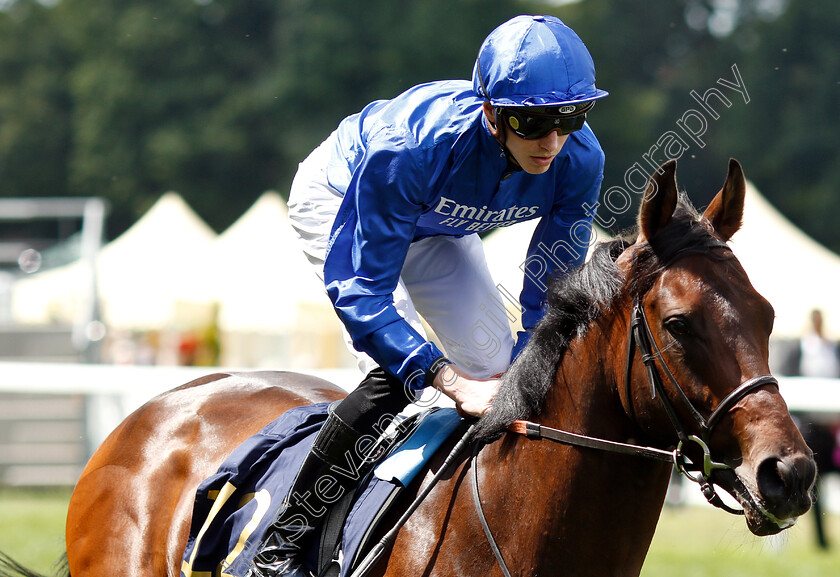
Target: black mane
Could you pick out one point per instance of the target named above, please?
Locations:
(575, 301)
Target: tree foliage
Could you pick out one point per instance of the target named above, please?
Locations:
(220, 99)
(788, 55)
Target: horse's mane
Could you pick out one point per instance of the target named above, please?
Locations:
(575, 301)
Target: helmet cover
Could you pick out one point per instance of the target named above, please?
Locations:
(534, 61)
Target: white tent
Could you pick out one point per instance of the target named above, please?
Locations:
(260, 276)
(791, 270)
(272, 309)
(143, 275)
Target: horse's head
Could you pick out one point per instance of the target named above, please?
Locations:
(702, 321)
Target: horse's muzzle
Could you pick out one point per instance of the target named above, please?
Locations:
(779, 492)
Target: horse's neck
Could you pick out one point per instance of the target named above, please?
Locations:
(574, 499)
(584, 395)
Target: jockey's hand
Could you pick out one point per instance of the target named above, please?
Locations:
(471, 396)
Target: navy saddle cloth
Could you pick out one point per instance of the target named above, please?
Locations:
(235, 507)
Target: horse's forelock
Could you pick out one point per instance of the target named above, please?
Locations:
(686, 233)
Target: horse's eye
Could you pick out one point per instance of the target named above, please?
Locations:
(678, 326)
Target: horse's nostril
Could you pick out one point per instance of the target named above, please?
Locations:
(776, 480)
(786, 473)
(786, 482)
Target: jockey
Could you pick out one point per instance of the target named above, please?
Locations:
(388, 210)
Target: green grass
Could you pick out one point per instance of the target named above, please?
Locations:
(689, 542)
(703, 542)
(32, 526)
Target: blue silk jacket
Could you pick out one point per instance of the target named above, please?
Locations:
(423, 164)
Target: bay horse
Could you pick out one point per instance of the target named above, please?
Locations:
(659, 343)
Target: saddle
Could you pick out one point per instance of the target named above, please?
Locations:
(235, 507)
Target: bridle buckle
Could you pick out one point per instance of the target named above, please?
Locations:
(690, 469)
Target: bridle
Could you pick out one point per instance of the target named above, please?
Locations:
(641, 338)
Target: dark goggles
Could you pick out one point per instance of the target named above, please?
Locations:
(533, 123)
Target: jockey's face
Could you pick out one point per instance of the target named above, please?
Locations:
(534, 156)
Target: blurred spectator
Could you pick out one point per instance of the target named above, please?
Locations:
(835, 431)
(785, 353)
(819, 356)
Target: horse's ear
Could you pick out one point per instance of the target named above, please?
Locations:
(726, 211)
(659, 202)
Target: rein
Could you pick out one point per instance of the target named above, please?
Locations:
(641, 337)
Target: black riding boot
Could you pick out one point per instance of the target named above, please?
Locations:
(333, 456)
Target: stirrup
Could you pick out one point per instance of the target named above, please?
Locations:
(289, 567)
(278, 558)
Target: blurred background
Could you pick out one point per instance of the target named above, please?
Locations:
(147, 147)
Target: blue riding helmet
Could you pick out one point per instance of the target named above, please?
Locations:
(534, 61)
